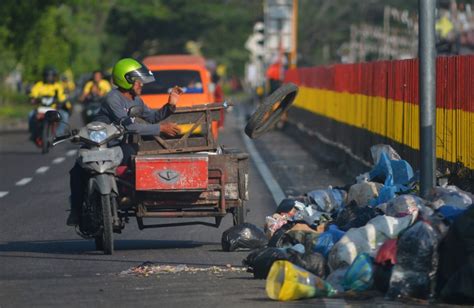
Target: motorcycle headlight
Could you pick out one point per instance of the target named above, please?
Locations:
(97, 132)
(98, 135)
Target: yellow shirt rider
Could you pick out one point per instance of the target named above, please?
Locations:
(95, 88)
(50, 86)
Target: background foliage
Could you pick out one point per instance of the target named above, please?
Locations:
(84, 35)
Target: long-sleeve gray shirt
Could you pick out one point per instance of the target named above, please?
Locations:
(116, 107)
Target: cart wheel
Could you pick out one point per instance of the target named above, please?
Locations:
(271, 110)
(239, 214)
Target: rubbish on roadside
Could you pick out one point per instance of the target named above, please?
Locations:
(286, 206)
(244, 236)
(449, 212)
(327, 200)
(379, 235)
(366, 239)
(353, 216)
(275, 222)
(293, 237)
(314, 263)
(456, 254)
(336, 277)
(260, 261)
(387, 253)
(362, 193)
(310, 215)
(417, 260)
(391, 172)
(327, 240)
(402, 205)
(287, 281)
(377, 150)
(147, 269)
(302, 227)
(451, 195)
(277, 238)
(359, 276)
(460, 287)
(395, 174)
(382, 274)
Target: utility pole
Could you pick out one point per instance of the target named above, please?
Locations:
(427, 85)
(294, 53)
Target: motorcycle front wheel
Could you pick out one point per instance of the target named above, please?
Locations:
(105, 241)
(45, 138)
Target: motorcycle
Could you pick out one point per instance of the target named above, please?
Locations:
(99, 213)
(44, 131)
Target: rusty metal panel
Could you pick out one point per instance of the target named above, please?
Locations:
(171, 172)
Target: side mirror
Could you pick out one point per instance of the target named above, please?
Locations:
(135, 111)
(52, 116)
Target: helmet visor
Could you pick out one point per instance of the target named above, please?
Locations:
(142, 74)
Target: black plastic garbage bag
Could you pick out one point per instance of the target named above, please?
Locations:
(382, 274)
(456, 250)
(312, 262)
(353, 216)
(285, 206)
(244, 236)
(460, 287)
(417, 263)
(279, 238)
(261, 260)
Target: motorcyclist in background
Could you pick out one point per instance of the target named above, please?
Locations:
(95, 88)
(51, 87)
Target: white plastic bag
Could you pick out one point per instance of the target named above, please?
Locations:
(366, 239)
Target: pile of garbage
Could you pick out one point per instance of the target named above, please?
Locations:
(377, 234)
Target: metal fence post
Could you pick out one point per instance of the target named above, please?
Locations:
(427, 86)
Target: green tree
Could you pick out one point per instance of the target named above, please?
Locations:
(47, 43)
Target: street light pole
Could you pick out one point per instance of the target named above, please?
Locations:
(427, 86)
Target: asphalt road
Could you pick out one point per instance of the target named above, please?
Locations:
(45, 263)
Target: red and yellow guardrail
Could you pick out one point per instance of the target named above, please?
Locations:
(381, 98)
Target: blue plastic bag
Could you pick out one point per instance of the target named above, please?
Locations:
(360, 275)
(327, 240)
(450, 212)
(395, 174)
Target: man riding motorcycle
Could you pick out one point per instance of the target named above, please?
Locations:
(129, 76)
(95, 88)
(49, 87)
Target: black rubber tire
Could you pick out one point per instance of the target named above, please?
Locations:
(107, 231)
(45, 137)
(239, 214)
(258, 124)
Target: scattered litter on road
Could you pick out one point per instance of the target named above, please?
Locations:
(148, 269)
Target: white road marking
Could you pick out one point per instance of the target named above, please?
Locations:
(268, 178)
(23, 181)
(42, 170)
(71, 152)
(272, 184)
(59, 160)
(3, 193)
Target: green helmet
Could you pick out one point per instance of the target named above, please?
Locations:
(126, 71)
